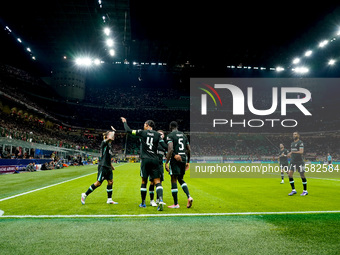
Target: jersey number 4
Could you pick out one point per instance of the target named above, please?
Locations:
(149, 142)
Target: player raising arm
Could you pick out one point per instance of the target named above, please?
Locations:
(149, 165)
(179, 156)
(105, 168)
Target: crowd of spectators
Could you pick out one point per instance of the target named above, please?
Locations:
(257, 146)
(15, 127)
(133, 97)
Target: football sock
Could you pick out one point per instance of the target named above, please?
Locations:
(143, 193)
(159, 191)
(304, 183)
(152, 191)
(291, 181)
(185, 189)
(174, 192)
(109, 191)
(282, 176)
(90, 190)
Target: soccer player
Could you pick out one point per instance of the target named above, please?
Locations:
(297, 164)
(283, 161)
(329, 160)
(161, 150)
(149, 160)
(179, 157)
(105, 168)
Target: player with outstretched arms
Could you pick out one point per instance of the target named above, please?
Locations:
(179, 157)
(105, 168)
(297, 164)
(149, 165)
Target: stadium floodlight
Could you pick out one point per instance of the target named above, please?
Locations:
(331, 62)
(83, 61)
(87, 62)
(323, 43)
(296, 60)
(97, 62)
(33, 57)
(28, 49)
(279, 69)
(107, 31)
(301, 70)
(109, 42)
(308, 53)
(79, 61)
(8, 29)
(19, 40)
(111, 52)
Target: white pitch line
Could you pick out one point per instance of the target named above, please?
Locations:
(311, 177)
(167, 215)
(46, 187)
(325, 179)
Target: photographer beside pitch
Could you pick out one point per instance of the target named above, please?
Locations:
(105, 168)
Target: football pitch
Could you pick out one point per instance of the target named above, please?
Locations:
(42, 214)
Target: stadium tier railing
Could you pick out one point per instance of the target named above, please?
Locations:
(4, 141)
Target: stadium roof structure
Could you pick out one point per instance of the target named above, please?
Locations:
(209, 35)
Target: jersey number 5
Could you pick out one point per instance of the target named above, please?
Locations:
(181, 145)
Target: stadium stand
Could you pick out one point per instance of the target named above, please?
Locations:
(33, 112)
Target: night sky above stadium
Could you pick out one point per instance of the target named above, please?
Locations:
(208, 35)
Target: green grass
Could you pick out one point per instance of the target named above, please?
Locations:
(243, 234)
(270, 234)
(213, 195)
